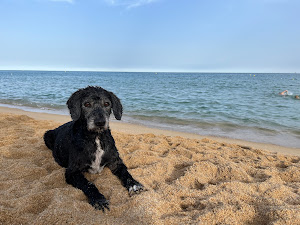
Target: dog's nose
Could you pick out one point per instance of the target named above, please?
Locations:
(100, 123)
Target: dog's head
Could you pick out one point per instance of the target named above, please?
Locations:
(94, 105)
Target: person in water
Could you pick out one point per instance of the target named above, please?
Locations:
(284, 92)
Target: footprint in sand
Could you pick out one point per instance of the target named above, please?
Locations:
(179, 171)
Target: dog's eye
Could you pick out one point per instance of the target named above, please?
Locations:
(106, 104)
(87, 104)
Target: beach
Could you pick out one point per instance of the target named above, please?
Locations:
(190, 179)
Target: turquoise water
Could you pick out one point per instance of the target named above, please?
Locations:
(243, 106)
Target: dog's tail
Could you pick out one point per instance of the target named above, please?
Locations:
(49, 139)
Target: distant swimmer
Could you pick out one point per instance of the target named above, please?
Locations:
(284, 92)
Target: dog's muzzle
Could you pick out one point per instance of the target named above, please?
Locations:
(98, 125)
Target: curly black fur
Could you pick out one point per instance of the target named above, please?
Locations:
(86, 145)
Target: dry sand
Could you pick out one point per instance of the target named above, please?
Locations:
(189, 180)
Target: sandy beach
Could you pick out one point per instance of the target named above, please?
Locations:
(190, 179)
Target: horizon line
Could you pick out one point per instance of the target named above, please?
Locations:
(137, 71)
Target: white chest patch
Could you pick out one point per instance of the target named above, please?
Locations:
(95, 166)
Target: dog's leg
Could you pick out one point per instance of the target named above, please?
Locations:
(120, 170)
(95, 198)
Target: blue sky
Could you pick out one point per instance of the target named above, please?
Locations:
(151, 35)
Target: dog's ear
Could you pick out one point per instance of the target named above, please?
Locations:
(74, 104)
(116, 106)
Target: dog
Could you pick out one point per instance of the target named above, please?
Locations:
(85, 144)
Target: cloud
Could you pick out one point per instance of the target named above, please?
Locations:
(128, 4)
(275, 1)
(68, 1)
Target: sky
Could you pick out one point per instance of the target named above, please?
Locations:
(151, 35)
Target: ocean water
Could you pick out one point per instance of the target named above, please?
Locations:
(242, 106)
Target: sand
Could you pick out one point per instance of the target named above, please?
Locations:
(189, 180)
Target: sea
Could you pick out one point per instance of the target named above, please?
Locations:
(244, 106)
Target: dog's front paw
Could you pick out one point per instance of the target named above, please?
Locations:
(135, 189)
(100, 204)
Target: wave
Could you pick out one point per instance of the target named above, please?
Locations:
(289, 138)
(33, 108)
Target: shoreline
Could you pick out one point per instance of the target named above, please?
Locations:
(135, 129)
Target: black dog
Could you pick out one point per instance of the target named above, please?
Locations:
(86, 144)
